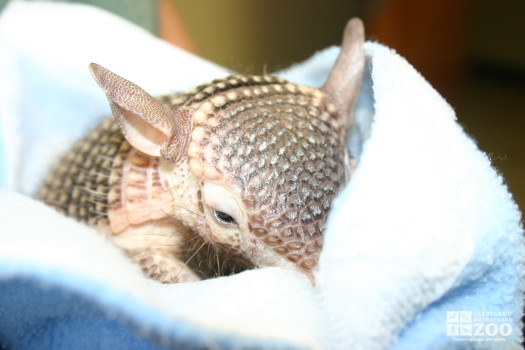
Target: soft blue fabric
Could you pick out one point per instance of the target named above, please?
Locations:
(52, 310)
(493, 289)
(426, 227)
(3, 170)
(37, 316)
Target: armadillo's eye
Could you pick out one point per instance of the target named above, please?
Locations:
(224, 218)
(221, 206)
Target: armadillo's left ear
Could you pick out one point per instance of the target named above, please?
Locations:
(344, 82)
(146, 124)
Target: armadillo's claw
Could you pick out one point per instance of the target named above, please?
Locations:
(165, 268)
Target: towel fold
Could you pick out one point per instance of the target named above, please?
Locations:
(423, 250)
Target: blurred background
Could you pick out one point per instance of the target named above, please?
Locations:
(472, 52)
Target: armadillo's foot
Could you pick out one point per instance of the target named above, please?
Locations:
(170, 274)
(163, 267)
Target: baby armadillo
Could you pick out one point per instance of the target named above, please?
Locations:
(237, 173)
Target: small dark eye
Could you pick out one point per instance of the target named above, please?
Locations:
(224, 218)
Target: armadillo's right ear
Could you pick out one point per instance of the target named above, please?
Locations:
(344, 81)
(146, 124)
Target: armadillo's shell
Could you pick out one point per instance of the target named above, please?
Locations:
(105, 182)
(78, 186)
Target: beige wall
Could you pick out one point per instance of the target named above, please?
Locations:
(255, 35)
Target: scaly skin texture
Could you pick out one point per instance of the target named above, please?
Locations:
(237, 173)
(280, 147)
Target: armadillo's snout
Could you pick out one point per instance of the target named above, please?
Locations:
(298, 246)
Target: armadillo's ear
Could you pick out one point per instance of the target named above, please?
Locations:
(344, 81)
(146, 124)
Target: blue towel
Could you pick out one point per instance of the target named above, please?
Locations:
(423, 250)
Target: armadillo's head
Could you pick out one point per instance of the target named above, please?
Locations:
(268, 156)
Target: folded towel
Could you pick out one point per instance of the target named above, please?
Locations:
(423, 250)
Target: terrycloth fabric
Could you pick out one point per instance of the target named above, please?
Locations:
(424, 235)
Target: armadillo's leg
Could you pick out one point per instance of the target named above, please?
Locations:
(156, 247)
